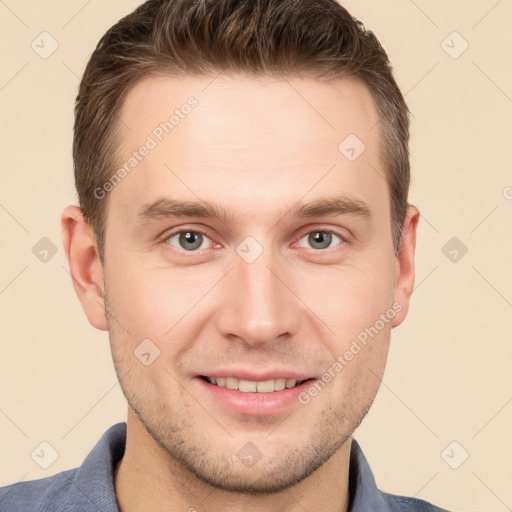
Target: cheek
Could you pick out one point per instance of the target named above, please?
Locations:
(348, 299)
(151, 301)
(358, 369)
(165, 306)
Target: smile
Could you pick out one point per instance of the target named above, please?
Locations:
(248, 386)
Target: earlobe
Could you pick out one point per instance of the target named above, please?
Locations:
(404, 264)
(84, 265)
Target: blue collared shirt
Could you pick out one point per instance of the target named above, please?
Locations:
(90, 487)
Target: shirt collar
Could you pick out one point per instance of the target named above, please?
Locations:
(364, 494)
(94, 479)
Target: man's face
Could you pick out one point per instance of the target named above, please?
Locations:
(262, 295)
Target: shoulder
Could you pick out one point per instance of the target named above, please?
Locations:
(88, 488)
(365, 494)
(53, 493)
(402, 503)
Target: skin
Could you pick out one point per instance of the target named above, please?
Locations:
(254, 147)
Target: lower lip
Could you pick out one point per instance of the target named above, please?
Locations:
(255, 404)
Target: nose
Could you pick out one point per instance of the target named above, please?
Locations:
(259, 305)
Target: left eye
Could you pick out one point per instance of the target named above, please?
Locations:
(320, 239)
(188, 240)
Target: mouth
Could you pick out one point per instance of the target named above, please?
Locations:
(248, 386)
(263, 396)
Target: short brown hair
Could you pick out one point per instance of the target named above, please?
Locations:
(275, 38)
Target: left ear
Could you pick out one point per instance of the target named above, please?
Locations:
(404, 264)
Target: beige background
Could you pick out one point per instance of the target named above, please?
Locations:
(448, 377)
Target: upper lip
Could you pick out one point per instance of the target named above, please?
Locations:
(254, 376)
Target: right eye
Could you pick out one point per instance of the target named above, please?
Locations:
(187, 240)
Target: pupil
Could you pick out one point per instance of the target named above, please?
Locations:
(322, 238)
(189, 237)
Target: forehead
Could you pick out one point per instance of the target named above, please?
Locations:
(261, 139)
(241, 106)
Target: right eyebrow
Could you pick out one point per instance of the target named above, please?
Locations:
(163, 208)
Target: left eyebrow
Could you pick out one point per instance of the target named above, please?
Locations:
(341, 205)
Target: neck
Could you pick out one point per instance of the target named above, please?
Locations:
(148, 478)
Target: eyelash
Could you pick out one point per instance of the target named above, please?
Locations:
(327, 250)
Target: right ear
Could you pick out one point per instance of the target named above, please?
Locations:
(85, 265)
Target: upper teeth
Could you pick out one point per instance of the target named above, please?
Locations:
(248, 386)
